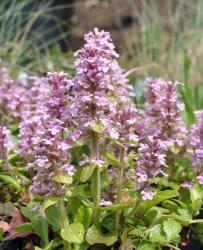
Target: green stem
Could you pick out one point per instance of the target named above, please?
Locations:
(173, 247)
(196, 221)
(64, 221)
(120, 185)
(96, 177)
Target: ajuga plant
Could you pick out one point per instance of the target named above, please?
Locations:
(99, 172)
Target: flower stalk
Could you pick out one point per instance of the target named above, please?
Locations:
(120, 184)
(96, 177)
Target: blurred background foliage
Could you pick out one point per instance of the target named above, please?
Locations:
(162, 37)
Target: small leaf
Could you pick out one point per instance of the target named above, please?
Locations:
(160, 196)
(87, 173)
(24, 228)
(53, 244)
(93, 236)
(98, 128)
(40, 226)
(196, 197)
(9, 180)
(50, 201)
(172, 228)
(158, 235)
(74, 233)
(63, 178)
(172, 206)
(1, 234)
(147, 245)
(54, 217)
(28, 213)
(113, 160)
(84, 215)
(182, 215)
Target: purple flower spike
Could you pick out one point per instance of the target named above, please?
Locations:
(196, 147)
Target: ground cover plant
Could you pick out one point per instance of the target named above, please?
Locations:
(83, 167)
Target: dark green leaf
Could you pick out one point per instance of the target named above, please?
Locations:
(1, 234)
(10, 180)
(23, 228)
(40, 226)
(54, 217)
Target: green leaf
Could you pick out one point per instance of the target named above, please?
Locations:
(158, 235)
(171, 205)
(83, 246)
(186, 66)
(187, 97)
(118, 207)
(40, 226)
(9, 180)
(138, 231)
(196, 197)
(147, 245)
(23, 228)
(172, 228)
(53, 244)
(93, 236)
(74, 233)
(87, 173)
(54, 217)
(113, 160)
(160, 196)
(1, 234)
(182, 215)
(28, 213)
(151, 215)
(84, 215)
(50, 201)
(98, 128)
(63, 178)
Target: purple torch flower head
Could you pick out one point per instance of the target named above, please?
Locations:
(196, 147)
(150, 164)
(163, 112)
(99, 82)
(43, 134)
(14, 97)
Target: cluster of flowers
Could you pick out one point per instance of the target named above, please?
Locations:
(196, 147)
(42, 134)
(56, 112)
(160, 129)
(14, 97)
(6, 144)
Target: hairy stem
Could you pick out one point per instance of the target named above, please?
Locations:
(196, 221)
(120, 184)
(173, 247)
(96, 177)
